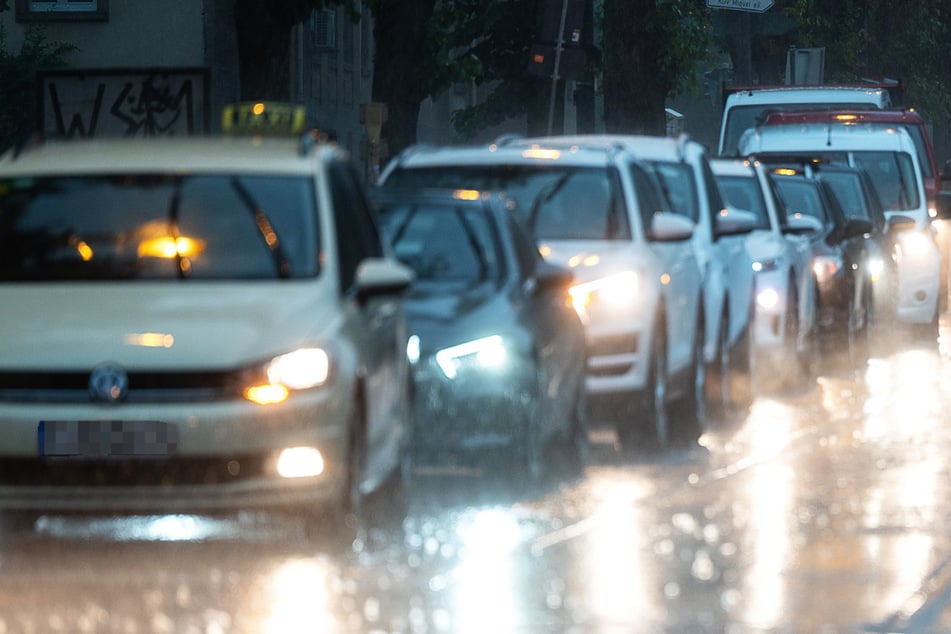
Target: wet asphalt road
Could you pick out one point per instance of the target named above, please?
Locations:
(821, 509)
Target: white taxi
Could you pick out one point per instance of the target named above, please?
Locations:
(196, 324)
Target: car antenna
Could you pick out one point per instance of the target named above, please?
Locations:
(828, 136)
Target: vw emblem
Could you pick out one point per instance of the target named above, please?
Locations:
(108, 383)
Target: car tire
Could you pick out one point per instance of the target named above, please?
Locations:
(575, 442)
(651, 414)
(859, 337)
(690, 419)
(741, 367)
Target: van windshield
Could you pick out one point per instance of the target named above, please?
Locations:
(157, 226)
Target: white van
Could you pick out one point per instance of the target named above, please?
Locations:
(744, 109)
(890, 158)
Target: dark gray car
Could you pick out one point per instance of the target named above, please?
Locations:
(497, 351)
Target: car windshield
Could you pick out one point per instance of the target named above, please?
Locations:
(744, 192)
(558, 203)
(157, 226)
(893, 174)
(444, 244)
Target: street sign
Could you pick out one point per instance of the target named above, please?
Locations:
(754, 6)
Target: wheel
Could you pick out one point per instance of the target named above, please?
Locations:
(718, 375)
(575, 443)
(648, 411)
(859, 335)
(691, 412)
(740, 367)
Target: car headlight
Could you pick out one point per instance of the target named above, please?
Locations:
(767, 299)
(762, 265)
(876, 266)
(298, 370)
(913, 243)
(826, 266)
(617, 292)
(486, 353)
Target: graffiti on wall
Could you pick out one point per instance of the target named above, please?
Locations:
(124, 102)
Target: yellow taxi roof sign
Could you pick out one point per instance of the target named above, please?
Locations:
(264, 118)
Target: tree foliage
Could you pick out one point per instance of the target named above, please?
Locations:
(18, 112)
(880, 38)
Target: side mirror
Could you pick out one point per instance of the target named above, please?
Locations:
(899, 222)
(802, 224)
(852, 228)
(667, 226)
(943, 203)
(382, 276)
(731, 222)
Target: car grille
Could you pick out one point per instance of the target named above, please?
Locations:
(144, 387)
(127, 472)
(613, 344)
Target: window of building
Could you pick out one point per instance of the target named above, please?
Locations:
(62, 9)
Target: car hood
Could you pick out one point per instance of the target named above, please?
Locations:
(765, 245)
(441, 317)
(160, 326)
(591, 259)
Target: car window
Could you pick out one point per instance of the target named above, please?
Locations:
(137, 226)
(680, 188)
(850, 193)
(801, 196)
(744, 192)
(648, 195)
(357, 234)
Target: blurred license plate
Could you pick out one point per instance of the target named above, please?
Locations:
(103, 438)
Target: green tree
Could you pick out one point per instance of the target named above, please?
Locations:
(651, 49)
(18, 113)
(877, 38)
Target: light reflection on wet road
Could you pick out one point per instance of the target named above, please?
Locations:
(819, 510)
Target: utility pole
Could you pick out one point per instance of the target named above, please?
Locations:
(559, 45)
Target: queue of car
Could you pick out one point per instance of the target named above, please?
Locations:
(217, 322)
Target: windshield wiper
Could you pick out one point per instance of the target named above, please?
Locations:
(265, 228)
(545, 194)
(184, 271)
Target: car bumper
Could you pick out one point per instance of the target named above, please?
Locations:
(918, 283)
(225, 456)
(618, 356)
(470, 415)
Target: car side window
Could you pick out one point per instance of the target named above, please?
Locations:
(357, 235)
(648, 198)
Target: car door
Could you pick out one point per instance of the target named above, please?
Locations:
(552, 323)
(679, 274)
(374, 326)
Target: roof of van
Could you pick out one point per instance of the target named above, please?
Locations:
(809, 94)
(824, 137)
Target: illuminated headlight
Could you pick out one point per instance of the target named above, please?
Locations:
(300, 462)
(298, 370)
(932, 211)
(767, 299)
(485, 353)
(876, 266)
(614, 293)
(912, 243)
(412, 349)
(826, 266)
